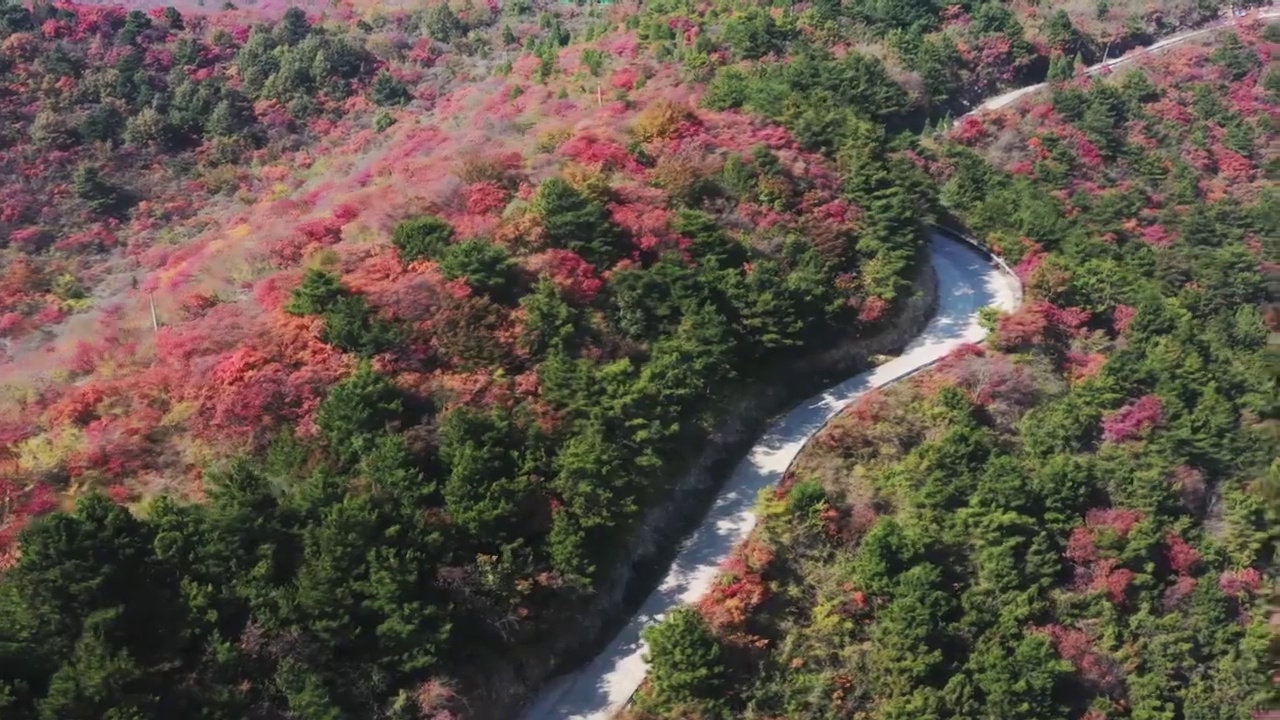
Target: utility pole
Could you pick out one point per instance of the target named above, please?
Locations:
(155, 322)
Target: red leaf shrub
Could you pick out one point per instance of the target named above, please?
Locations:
(114, 448)
(1133, 420)
(592, 149)
(969, 131)
(1157, 236)
(1039, 323)
(1025, 327)
(1093, 571)
(1082, 366)
(1122, 317)
(1239, 583)
(486, 197)
(873, 310)
(40, 500)
(1082, 547)
(624, 78)
(78, 407)
(740, 588)
(1183, 558)
(10, 323)
(1075, 646)
(1115, 581)
(1176, 594)
(1117, 520)
(575, 277)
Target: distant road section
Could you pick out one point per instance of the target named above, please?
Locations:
(1009, 97)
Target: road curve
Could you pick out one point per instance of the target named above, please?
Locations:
(967, 282)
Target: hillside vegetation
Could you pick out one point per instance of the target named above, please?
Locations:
(343, 352)
(1077, 518)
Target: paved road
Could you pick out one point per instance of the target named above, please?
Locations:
(967, 283)
(1266, 14)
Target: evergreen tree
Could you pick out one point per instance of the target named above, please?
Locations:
(891, 233)
(550, 323)
(486, 488)
(1061, 68)
(356, 412)
(573, 221)
(293, 27)
(351, 325)
(318, 292)
(90, 186)
(135, 23)
(1061, 32)
(485, 266)
(1026, 684)
(685, 665)
(387, 89)
(442, 24)
(422, 238)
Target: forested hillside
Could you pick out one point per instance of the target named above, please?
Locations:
(436, 318)
(1077, 518)
(341, 352)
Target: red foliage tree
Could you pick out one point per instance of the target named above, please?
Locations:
(1026, 327)
(1177, 593)
(1133, 420)
(575, 277)
(1239, 583)
(1183, 558)
(1075, 646)
(1118, 520)
(1122, 316)
(1082, 547)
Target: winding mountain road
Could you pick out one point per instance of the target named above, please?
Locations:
(968, 280)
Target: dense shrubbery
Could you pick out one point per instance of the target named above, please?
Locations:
(1073, 521)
